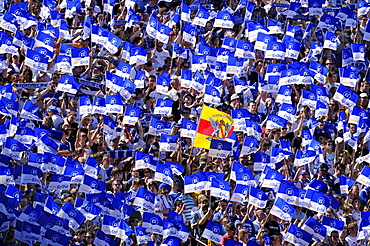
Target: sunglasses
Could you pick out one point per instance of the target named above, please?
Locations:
(249, 164)
(83, 136)
(329, 63)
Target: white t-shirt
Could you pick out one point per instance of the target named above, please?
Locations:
(352, 241)
(159, 57)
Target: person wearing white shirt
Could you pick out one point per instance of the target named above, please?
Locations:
(353, 234)
(159, 54)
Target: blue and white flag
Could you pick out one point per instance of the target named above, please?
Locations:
(91, 185)
(239, 116)
(364, 177)
(287, 112)
(240, 193)
(332, 224)
(229, 43)
(145, 199)
(346, 96)
(250, 145)
(68, 84)
(297, 236)
(9, 22)
(289, 76)
(198, 81)
(88, 209)
(357, 115)
(110, 224)
(75, 217)
(163, 83)
(261, 160)
(304, 157)
(308, 99)
(23, 41)
(275, 121)
(64, 64)
(224, 19)
(313, 227)
(331, 41)
(282, 210)
(36, 61)
(158, 127)
(220, 189)
(348, 77)
(141, 235)
(257, 197)
(55, 238)
(145, 161)
(163, 106)
(195, 182)
(137, 55)
(263, 40)
(190, 33)
(318, 202)
(202, 17)
(284, 95)
(272, 179)
(320, 71)
(345, 184)
(13, 149)
(254, 29)
(163, 174)
(198, 62)
(188, 129)
(114, 104)
(153, 223)
(59, 182)
(127, 89)
(289, 193)
(318, 185)
(80, 57)
(112, 43)
(168, 143)
(219, 148)
(186, 78)
(274, 26)
(171, 241)
(101, 239)
(211, 95)
(363, 8)
(99, 106)
(213, 232)
(358, 52)
(123, 69)
(44, 40)
(131, 116)
(244, 49)
(293, 48)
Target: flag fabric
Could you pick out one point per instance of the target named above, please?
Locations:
(346, 96)
(131, 116)
(213, 232)
(168, 143)
(188, 129)
(157, 127)
(211, 95)
(332, 224)
(275, 121)
(257, 197)
(317, 230)
(13, 149)
(240, 193)
(219, 148)
(212, 124)
(153, 223)
(163, 106)
(282, 210)
(101, 239)
(358, 51)
(224, 19)
(220, 189)
(114, 104)
(144, 199)
(195, 182)
(36, 60)
(364, 177)
(163, 174)
(297, 236)
(201, 17)
(75, 217)
(331, 41)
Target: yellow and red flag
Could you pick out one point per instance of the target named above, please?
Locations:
(213, 124)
